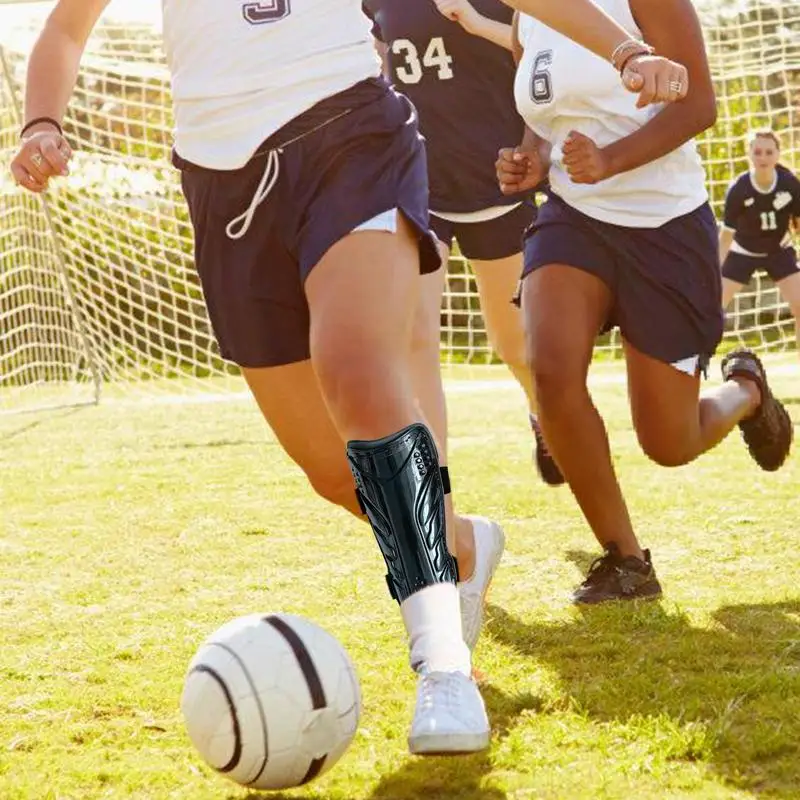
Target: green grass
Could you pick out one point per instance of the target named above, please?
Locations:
(129, 531)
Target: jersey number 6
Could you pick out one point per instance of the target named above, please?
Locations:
(264, 12)
(541, 82)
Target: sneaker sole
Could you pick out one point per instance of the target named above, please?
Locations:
(448, 744)
(500, 538)
(655, 594)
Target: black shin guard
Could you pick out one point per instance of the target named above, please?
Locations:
(401, 490)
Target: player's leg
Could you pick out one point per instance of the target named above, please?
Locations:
(675, 424)
(494, 249)
(565, 307)
(362, 297)
(730, 289)
(671, 326)
(784, 269)
(479, 541)
(497, 282)
(737, 271)
(292, 405)
(361, 271)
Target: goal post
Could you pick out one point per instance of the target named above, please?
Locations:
(97, 284)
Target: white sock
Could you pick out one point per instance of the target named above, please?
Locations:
(433, 620)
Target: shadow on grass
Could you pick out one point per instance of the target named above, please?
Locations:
(457, 778)
(44, 417)
(732, 689)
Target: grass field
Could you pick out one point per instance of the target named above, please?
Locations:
(130, 531)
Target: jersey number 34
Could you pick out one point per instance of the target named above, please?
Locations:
(434, 57)
(265, 12)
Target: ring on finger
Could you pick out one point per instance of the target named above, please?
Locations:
(37, 159)
(676, 86)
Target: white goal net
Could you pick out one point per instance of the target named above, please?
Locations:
(97, 287)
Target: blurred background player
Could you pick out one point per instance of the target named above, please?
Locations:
(452, 58)
(627, 238)
(307, 186)
(761, 207)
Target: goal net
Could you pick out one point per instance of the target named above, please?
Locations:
(97, 287)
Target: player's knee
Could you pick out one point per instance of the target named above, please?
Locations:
(666, 451)
(336, 487)
(557, 378)
(510, 348)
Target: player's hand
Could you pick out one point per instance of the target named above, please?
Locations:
(519, 170)
(42, 155)
(460, 11)
(655, 79)
(585, 162)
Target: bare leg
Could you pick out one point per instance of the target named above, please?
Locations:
(564, 309)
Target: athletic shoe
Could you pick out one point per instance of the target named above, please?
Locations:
(545, 463)
(490, 542)
(450, 717)
(612, 577)
(769, 432)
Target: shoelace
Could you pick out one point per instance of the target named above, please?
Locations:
(600, 566)
(265, 186)
(440, 684)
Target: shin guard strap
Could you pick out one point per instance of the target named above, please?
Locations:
(400, 485)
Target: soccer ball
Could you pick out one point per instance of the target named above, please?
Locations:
(271, 701)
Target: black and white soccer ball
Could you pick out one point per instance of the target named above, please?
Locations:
(271, 701)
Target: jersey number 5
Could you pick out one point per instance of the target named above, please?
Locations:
(264, 12)
(435, 57)
(541, 82)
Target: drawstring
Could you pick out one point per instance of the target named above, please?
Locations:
(265, 186)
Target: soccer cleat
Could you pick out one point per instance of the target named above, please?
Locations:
(769, 432)
(450, 717)
(612, 577)
(545, 463)
(490, 541)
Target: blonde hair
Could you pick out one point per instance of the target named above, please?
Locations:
(765, 133)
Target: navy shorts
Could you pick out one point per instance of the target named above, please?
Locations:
(490, 240)
(665, 281)
(740, 267)
(344, 162)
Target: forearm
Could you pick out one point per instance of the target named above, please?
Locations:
(673, 126)
(579, 20)
(52, 72)
(496, 32)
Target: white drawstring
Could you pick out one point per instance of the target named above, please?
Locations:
(265, 186)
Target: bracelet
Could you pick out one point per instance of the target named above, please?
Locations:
(29, 125)
(626, 49)
(630, 58)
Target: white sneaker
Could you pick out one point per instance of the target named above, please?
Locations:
(490, 541)
(450, 717)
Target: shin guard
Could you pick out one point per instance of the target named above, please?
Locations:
(400, 487)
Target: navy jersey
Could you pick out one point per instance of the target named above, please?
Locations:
(463, 88)
(761, 219)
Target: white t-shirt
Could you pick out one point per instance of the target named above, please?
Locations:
(242, 70)
(560, 87)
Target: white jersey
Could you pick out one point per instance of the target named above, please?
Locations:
(560, 87)
(241, 70)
